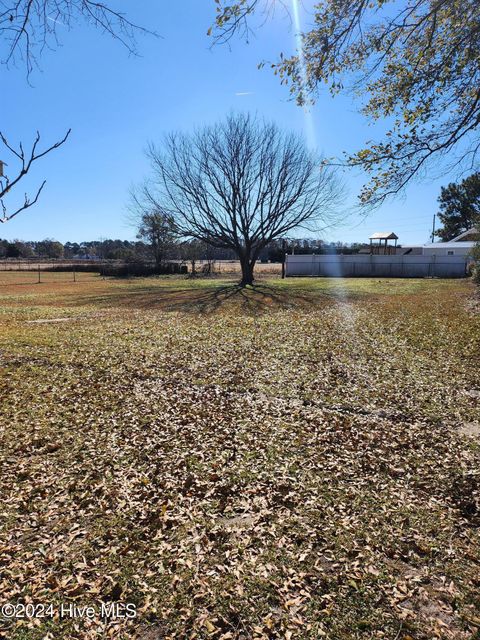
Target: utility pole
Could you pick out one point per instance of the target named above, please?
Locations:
(433, 228)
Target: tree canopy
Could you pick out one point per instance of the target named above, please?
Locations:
(415, 63)
(157, 229)
(459, 207)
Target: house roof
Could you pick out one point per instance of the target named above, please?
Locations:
(451, 245)
(465, 234)
(386, 235)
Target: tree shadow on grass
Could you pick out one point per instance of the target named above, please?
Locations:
(252, 299)
(202, 300)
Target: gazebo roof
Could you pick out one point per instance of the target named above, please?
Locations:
(387, 235)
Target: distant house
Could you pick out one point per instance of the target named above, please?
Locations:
(448, 248)
(462, 245)
(85, 256)
(471, 235)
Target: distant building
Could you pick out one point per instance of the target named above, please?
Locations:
(384, 260)
(448, 248)
(471, 235)
(462, 245)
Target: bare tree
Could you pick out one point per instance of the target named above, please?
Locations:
(240, 184)
(25, 161)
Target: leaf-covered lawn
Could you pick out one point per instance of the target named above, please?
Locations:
(298, 460)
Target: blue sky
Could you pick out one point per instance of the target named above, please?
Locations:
(115, 103)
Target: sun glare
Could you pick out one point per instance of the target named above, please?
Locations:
(309, 124)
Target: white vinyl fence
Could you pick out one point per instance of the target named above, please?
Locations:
(394, 266)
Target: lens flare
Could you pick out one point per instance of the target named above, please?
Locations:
(309, 125)
(344, 308)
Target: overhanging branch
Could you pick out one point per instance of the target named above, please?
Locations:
(26, 160)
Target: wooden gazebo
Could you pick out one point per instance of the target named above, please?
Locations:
(379, 243)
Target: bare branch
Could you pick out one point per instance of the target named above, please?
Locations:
(27, 203)
(26, 161)
(27, 27)
(416, 62)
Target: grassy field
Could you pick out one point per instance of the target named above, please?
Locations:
(295, 460)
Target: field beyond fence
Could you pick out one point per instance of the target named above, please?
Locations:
(13, 271)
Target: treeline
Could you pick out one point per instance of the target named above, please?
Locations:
(139, 251)
(19, 249)
(49, 248)
(124, 250)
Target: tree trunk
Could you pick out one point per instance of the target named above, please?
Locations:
(157, 255)
(247, 265)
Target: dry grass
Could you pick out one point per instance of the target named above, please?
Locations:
(233, 267)
(219, 267)
(294, 460)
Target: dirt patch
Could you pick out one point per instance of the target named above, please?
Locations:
(159, 632)
(237, 522)
(470, 429)
(434, 614)
(50, 320)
